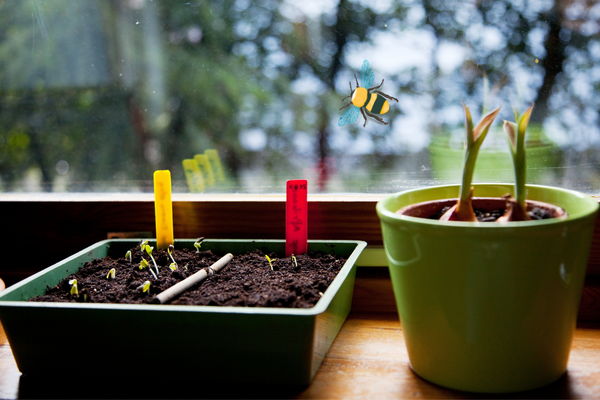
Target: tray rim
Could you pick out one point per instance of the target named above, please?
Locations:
(319, 308)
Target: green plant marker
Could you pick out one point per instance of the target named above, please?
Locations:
(193, 176)
(207, 171)
(111, 274)
(463, 210)
(515, 136)
(215, 163)
(269, 260)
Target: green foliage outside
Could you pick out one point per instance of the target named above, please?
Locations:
(95, 95)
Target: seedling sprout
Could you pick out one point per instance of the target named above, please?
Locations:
(74, 291)
(173, 266)
(128, 255)
(269, 260)
(198, 244)
(295, 261)
(463, 210)
(145, 287)
(111, 274)
(149, 250)
(515, 135)
(144, 264)
(170, 251)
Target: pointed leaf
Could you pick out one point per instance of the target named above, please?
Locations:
(524, 120)
(484, 125)
(468, 125)
(511, 131)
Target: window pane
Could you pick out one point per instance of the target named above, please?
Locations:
(96, 95)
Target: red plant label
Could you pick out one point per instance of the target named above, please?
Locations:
(296, 217)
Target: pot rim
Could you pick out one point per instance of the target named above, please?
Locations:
(590, 209)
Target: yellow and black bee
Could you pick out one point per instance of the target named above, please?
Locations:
(368, 101)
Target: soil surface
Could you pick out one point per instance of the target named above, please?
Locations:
(246, 281)
(491, 216)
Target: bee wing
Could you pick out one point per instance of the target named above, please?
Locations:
(349, 116)
(367, 76)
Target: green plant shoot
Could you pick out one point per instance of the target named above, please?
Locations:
(170, 251)
(463, 210)
(128, 255)
(515, 135)
(198, 244)
(294, 260)
(145, 287)
(144, 264)
(269, 260)
(149, 250)
(111, 274)
(173, 266)
(143, 244)
(74, 291)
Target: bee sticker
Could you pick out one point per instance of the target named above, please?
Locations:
(369, 102)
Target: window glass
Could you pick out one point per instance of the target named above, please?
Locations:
(96, 95)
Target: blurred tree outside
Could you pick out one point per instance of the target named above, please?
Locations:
(96, 95)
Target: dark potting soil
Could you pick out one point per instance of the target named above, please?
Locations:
(246, 281)
(491, 216)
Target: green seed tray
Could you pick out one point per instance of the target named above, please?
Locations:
(238, 344)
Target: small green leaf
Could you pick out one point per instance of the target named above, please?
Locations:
(148, 249)
(173, 267)
(269, 260)
(170, 251)
(198, 244)
(144, 263)
(74, 291)
(145, 287)
(111, 274)
(128, 255)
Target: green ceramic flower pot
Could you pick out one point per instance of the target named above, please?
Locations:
(234, 344)
(488, 307)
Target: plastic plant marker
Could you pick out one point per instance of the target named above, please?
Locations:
(206, 168)
(296, 217)
(193, 176)
(163, 209)
(215, 162)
